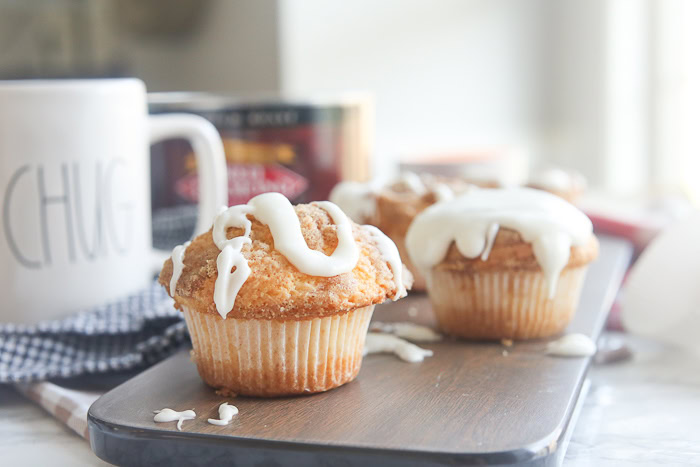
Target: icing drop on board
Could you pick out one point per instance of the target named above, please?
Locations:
(226, 414)
(572, 345)
(407, 330)
(170, 415)
(376, 342)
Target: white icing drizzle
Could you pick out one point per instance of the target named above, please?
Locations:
(390, 254)
(549, 223)
(356, 199)
(226, 414)
(312, 262)
(178, 258)
(235, 216)
(170, 415)
(572, 345)
(274, 210)
(229, 283)
(413, 182)
(442, 192)
(407, 330)
(386, 343)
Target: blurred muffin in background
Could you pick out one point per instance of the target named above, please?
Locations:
(565, 183)
(392, 206)
(484, 166)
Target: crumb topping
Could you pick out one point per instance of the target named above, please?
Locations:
(275, 289)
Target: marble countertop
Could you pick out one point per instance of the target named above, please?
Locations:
(30, 436)
(643, 411)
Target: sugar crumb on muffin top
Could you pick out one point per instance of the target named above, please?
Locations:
(276, 289)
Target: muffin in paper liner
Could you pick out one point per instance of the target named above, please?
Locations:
(283, 331)
(503, 263)
(266, 358)
(504, 304)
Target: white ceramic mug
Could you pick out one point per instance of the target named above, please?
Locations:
(75, 192)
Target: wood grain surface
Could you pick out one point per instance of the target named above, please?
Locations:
(471, 403)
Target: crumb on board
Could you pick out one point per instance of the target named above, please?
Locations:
(505, 353)
(224, 392)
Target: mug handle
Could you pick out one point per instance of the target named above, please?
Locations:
(211, 163)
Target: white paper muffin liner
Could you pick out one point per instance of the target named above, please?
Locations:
(504, 304)
(269, 358)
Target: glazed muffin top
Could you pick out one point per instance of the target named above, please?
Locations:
(496, 229)
(271, 260)
(403, 197)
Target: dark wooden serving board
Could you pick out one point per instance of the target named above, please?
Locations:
(469, 404)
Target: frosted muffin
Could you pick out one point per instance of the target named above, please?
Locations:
(278, 298)
(566, 184)
(503, 263)
(392, 207)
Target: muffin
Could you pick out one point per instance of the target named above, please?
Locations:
(392, 207)
(278, 298)
(503, 263)
(566, 184)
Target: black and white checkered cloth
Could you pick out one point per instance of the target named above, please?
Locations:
(132, 332)
(136, 331)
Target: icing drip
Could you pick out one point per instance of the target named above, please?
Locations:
(442, 192)
(490, 238)
(178, 258)
(390, 254)
(406, 330)
(170, 415)
(226, 413)
(228, 283)
(274, 210)
(471, 221)
(356, 199)
(386, 343)
(572, 345)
